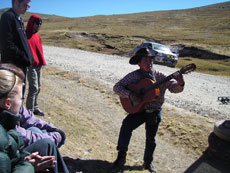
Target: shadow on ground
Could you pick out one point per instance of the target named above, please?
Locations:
(207, 164)
(94, 166)
(216, 158)
(87, 166)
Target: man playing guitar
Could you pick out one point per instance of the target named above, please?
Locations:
(150, 110)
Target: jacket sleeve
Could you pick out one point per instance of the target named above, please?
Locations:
(5, 163)
(28, 120)
(120, 88)
(30, 137)
(171, 85)
(4, 140)
(23, 166)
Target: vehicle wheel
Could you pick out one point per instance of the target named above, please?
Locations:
(222, 129)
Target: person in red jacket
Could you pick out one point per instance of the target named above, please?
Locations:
(35, 71)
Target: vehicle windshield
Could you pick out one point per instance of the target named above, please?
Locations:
(161, 47)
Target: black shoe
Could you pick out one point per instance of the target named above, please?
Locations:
(39, 112)
(149, 167)
(119, 163)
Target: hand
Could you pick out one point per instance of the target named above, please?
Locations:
(179, 78)
(63, 137)
(134, 98)
(41, 163)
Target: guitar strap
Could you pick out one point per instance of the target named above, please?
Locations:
(149, 75)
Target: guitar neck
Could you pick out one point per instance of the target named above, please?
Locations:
(158, 83)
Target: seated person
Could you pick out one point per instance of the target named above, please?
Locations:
(13, 157)
(33, 129)
(39, 142)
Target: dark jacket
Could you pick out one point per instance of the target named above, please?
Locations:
(11, 146)
(14, 46)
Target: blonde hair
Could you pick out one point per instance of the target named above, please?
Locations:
(10, 77)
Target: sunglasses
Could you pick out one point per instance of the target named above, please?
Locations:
(37, 22)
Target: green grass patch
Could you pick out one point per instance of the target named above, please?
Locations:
(213, 67)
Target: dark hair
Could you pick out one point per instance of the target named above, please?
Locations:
(20, 1)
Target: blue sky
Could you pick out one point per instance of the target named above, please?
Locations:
(80, 8)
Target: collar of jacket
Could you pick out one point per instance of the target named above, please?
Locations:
(8, 120)
(16, 15)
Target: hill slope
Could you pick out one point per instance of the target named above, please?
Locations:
(206, 28)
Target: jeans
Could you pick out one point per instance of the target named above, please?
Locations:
(46, 147)
(131, 122)
(34, 78)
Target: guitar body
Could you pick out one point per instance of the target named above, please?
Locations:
(148, 90)
(147, 97)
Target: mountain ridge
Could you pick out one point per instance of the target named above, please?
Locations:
(205, 28)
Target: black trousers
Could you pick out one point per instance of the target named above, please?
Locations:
(46, 147)
(131, 122)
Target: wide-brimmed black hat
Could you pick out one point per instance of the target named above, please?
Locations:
(143, 52)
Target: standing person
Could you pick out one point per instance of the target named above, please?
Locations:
(35, 71)
(13, 156)
(150, 114)
(14, 46)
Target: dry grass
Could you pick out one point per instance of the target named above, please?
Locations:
(183, 129)
(206, 27)
(214, 67)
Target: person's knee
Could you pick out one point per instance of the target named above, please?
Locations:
(43, 146)
(33, 87)
(47, 142)
(35, 129)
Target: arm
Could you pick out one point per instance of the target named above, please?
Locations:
(120, 87)
(29, 120)
(5, 166)
(177, 84)
(41, 163)
(30, 137)
(10, 36)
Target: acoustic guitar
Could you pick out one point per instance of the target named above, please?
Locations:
(148, 91)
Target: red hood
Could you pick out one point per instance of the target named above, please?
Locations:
(35, 42)
(30, 24)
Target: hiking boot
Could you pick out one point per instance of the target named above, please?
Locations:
(39, 112)
(120, 161)
(150, 167)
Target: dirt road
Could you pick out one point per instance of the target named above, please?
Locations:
(78, 98)
(200, 94)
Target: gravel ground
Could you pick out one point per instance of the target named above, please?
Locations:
(199, 96)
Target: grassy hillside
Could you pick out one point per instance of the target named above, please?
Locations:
(205, 28)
